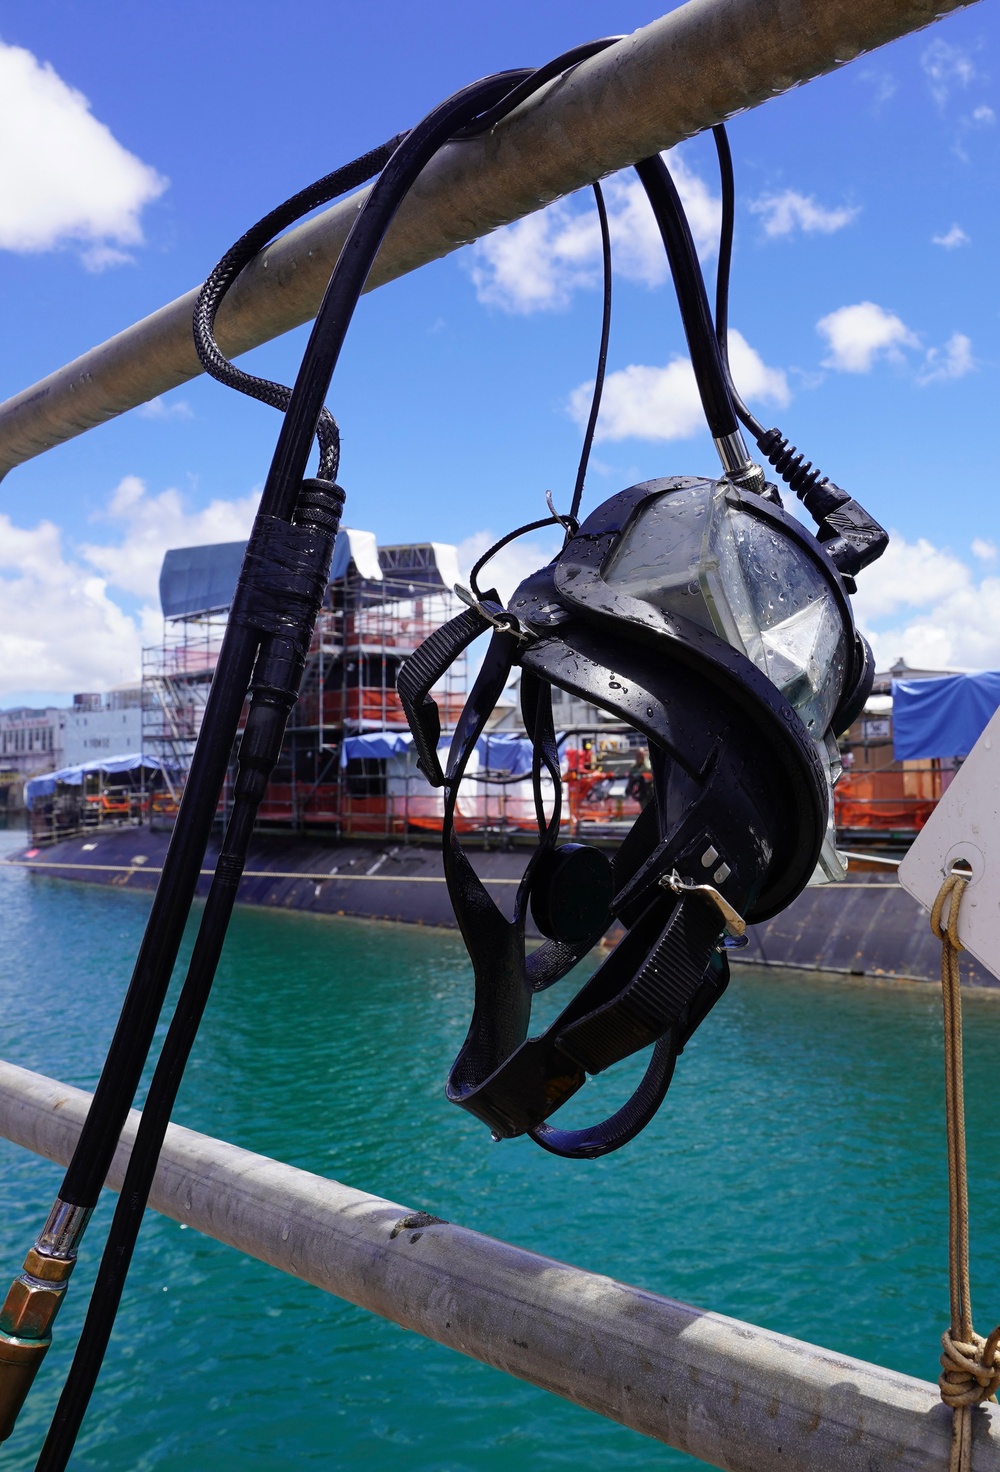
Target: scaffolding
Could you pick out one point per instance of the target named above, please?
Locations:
(368, 625)
(381, 603)
(176, 678)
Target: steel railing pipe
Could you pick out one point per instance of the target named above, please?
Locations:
(741, 1398)
(692, 68)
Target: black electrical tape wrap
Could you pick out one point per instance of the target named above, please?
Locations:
(285, 575)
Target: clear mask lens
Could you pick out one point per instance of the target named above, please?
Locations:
(697, 552)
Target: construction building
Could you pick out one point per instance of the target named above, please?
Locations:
(380, 604)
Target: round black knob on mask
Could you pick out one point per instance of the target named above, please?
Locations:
(571, 893)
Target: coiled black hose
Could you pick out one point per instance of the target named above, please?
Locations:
(249, 245)
(351, 176)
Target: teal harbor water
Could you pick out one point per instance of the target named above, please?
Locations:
(794, 1178)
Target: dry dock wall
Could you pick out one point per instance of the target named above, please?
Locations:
(867, 926)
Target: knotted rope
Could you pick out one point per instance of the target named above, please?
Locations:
(970, 1371)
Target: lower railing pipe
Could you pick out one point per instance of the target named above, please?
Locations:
(739, 1397)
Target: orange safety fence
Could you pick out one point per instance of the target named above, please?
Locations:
(899, 800)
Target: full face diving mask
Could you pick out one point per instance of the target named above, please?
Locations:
(703, 616)
(712, 623)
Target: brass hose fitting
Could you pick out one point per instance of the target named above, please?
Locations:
(26, 1319)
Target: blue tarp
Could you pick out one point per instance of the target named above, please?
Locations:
(504, 753)
(45, 785)
(203, 579)
(199, 579)
(942, 717)
(375, 746)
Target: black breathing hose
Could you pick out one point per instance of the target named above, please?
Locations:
(294, 532)
(723, 274)
(699, 329)
(797, 472)
(852, 537)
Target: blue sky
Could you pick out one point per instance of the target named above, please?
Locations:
(864, 292)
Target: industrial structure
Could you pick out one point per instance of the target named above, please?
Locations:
(882, 801)
(347, 766)
(380, 604)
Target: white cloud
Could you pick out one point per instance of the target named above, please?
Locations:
(62, 627)
(538, 263)
(984, 116)
(783, 214)
(159, 408)
(859, 334)
(984, 550)
(952, 361)
(59, 629)
(946, 67)
(924, 603)
(883, 84)
(63, 175)
(663, 404)
(148, 525)
(954, 237)
(908, 574)
(512, 563)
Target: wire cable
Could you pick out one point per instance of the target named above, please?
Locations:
(491, 552)
(602, 356)
(571, 522)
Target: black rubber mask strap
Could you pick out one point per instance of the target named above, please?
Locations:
(468, 894)
(421, 672)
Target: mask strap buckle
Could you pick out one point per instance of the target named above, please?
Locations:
(495, 613)
(733, 921)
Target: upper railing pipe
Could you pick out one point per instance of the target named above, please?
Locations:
(683, 73)
(739, 1397)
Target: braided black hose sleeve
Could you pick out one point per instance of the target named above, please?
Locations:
(349, 176)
